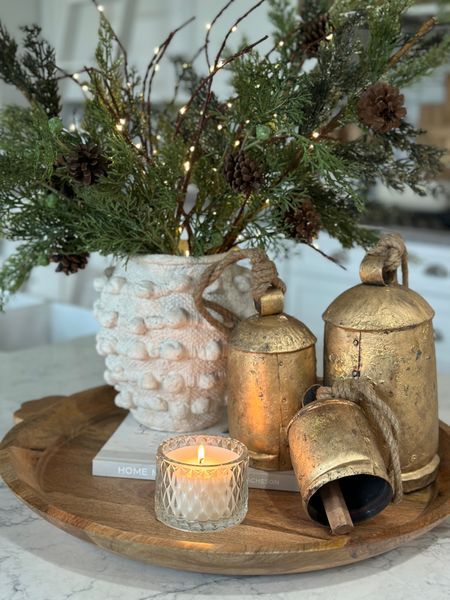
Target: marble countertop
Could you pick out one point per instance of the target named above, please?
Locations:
(40, 562)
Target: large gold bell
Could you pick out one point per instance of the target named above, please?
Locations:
(383, 331)
(271, 363)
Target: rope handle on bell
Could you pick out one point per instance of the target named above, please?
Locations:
(362, 392)
(264, 276)
(380, 264)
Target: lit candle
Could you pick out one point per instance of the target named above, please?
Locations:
(201, 482)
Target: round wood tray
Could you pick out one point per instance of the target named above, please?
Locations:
(46, 461)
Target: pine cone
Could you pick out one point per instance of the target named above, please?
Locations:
(381, 107)
(70, 263)
(59, 183)
(303, 223)
(242, 173)
(312, 33)
(87, 164)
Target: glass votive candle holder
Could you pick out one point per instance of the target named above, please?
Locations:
(201, 482)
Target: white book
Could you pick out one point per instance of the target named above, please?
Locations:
(131, 453)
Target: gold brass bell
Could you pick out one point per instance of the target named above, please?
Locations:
(383, 331)
(271, 363)
(331, 440)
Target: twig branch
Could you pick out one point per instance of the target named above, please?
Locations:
(209, 77)
(205, 46)
(208, 81)
(205, 81)
(322, 253)
(423, 30)
(150, 74)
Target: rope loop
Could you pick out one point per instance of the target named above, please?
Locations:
(264, 275)
(391, 247)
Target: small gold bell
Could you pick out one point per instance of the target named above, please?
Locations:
(331, 441)
(271, 363)
(383, 331)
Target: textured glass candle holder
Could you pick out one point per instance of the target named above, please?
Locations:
(201, 494)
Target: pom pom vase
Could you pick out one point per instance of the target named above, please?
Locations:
(164, 359)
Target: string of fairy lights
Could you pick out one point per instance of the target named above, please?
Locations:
(213, 69)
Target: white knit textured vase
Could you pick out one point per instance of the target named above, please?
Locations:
(165, 360)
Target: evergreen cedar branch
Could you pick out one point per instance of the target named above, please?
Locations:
(278, 128)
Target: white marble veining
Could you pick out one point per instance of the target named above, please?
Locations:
(40, 562)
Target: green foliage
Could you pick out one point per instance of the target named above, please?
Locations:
(16, 269)
(165, 177)
(33, 73)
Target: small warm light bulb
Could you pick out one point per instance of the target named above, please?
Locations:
(122, 121)
(157, 67)
(100, 8)
(155, 152)
(180, 229)
(329, 37)
(267, 201)
(275, 115)
(237, 143)
(201, 448)
(247, 121)
(233, 29)
(182, 110)
(119, 127)
(229, 104)
(186, 253)
(220, 64)
(219, 127)
(281, 43)
(208, 26)
(158, 137)
(186, 165)
(192, 148)
(311, 147)
(185, 65)
(214, 169)
(85, 88)
(156, 49)
(257, 86)
(76, 76)
(138, 145)
(211, 69)
(315, 135)
(72, 127)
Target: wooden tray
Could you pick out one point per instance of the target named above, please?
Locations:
(46, 461)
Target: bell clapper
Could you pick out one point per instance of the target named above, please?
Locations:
(336, 509)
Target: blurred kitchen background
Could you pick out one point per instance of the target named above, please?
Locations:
(53, 308)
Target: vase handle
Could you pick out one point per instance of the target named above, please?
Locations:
(264, 279)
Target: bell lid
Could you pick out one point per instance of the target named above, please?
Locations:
(375, 307)
(271, 334)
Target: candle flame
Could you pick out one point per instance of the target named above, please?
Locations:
(201, 454)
